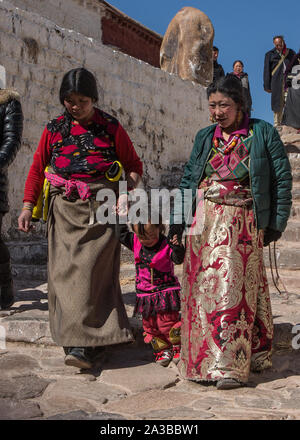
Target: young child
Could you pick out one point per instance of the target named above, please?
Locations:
(157, 287)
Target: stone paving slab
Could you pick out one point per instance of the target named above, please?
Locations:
(127, 385)
(125, 390)
(18, 410)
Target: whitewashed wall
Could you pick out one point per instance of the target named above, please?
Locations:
(82, 15)
(161, 112)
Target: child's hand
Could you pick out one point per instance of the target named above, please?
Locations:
(122, 205)
(174, 240)
(175, 235)
(178, 252)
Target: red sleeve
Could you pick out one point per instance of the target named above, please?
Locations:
(126, 152)
(35, 178)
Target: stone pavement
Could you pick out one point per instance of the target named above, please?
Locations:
(127, 385)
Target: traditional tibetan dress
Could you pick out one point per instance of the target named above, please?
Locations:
(226, 311)
(84, 295)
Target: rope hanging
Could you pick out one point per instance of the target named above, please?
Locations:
(284, 292)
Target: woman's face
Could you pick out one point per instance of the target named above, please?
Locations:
(238, 68)
(223, 109)
(79, 106)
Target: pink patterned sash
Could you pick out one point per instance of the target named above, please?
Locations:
(71, 185)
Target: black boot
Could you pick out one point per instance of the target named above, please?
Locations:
(7, 297)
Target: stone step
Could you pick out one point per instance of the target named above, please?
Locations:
(287, 255)
(295, 211)
(30, 272)
(29, 259)
(289, 279)
(292, 232)
(39, 271)
(294, 159)
(296, 176)
(296, 193)
(28, 252)
(292, 148)
(36, 252)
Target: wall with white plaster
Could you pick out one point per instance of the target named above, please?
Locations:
(161, 112)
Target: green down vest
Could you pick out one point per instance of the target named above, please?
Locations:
(270, 177)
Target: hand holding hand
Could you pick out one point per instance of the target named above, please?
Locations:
(174, 241)
(122, 205)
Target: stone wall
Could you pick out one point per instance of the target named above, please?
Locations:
(82, 15)
(101, 21)
(161, 112)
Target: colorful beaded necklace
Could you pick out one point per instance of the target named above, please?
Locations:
(229, 146)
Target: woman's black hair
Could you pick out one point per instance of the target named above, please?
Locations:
(79, 81)
(238, 61)
(230, 86)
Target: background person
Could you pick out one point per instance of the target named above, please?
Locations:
(241, 173)
(291, 114)
(276, 62)
(86, 311)
(218, 70)
(238, 71)
(11, 128)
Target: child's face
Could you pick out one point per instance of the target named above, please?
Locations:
(151, 236)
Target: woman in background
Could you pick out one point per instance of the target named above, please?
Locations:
(238, 71)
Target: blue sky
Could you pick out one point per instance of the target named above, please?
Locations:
(243, 30)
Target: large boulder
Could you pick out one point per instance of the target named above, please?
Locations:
(186, 49)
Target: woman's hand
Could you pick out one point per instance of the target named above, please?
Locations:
(133, 179)
(24, 220)
(271, 235)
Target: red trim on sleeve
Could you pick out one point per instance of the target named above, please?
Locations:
(36, 176)
(126, 152)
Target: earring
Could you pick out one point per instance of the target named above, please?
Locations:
(212, 119)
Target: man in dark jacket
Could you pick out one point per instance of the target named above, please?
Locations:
(11, 127)
(218, 69)
(277, 61)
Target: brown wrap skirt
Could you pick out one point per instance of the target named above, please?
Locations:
(84, 294)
